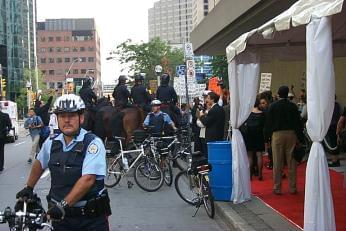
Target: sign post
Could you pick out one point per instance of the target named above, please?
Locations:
(266, 80)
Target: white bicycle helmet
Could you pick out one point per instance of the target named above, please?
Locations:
(156, 102)
(69, 103)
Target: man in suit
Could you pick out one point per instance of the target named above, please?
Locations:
(214, 119)
(5, 126)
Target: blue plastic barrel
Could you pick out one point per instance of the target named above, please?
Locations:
(220, 178)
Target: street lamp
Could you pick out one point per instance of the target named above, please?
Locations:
(69, 69)
(158, 71)
(28, 87)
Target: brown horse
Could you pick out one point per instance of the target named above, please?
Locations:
(111, 122)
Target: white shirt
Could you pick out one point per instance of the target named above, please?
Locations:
(53, 123)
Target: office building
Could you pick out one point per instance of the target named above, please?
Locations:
(200, 9)
(171, 20)
(17, 42)
(68, 49)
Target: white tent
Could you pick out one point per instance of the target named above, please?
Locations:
(311, 30)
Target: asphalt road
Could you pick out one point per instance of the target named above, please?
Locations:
(133, 209)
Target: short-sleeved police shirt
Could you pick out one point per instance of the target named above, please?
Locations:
(95, 158)
(166, 118)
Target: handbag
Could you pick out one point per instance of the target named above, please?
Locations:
(299, 153)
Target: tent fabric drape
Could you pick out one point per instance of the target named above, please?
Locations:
(243, 81)
(300, 13)
(319, 212)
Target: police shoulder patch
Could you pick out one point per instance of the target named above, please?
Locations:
(93, 149)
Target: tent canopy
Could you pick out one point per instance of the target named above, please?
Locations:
(284, 38)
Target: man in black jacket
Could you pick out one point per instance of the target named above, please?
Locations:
(41, 110)
(121, 94)
(88, 95)
(284, 127)
(213, 120)
(139, 94)
(5, 126)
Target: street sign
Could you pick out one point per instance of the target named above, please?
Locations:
(69, 80)
(188, 51)
(190, 64)
(158, 68)
(180, 70)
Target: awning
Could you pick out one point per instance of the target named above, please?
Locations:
(285, 28)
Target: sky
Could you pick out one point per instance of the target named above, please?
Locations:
(116, 20)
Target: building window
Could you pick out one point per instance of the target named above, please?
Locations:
(90, 59)
(66, 49)
(58, 49)
(51, 60)
(60, 72)
(50, 39)
(75, 71)
(43, 39)
(75, 49)
(51, 72)
(90, 48)
(44, 72)
(67, 60)
(43, 60)
(59, 85)
(51, 49)
(67, 38)
(75, 58)
(83, 71)
(83, 59)
(59, 60)
(51, 85)
(82, 49)
(42, 50)
(58, 39)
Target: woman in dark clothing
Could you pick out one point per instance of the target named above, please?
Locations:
(254, 138)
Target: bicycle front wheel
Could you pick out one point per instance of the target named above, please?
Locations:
(167, 171)
(186, 188)
(208, 199)
(148, 175)
(113, 175)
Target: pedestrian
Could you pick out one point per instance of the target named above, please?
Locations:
(195, 129)
(5, 126)
(42, 110)
(340, 133)
(213, 120)
(254, 139)
(185, 116)
(263, 106)
(34, 124)
(331, 136)
(284, 128)
(77, 199)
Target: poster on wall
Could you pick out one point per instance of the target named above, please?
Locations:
(266, 80)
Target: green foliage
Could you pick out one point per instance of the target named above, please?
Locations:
(220, 67)
(21, 100)
(145, 56)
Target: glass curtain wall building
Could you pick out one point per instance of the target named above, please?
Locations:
(17, 42)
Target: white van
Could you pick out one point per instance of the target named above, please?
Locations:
(10, 108)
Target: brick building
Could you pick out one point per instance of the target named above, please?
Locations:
(68, 44)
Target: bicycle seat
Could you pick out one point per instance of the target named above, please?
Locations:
(196, 154)
(118, 137)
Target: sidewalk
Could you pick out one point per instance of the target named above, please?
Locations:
(252, 215)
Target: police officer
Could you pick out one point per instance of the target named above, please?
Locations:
(121, 94)
(88, 95)
(76, 159)
(139, 93)
(167, 95)
(157, 120)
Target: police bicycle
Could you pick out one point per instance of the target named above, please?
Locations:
(147, 173)
(192, 185)
(28, 215)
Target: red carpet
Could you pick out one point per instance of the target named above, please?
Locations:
(292, 206)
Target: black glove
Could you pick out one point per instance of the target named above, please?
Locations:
(56, 212)
(27, 192)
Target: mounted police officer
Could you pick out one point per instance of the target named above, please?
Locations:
(121, 94)
(139, 93)
(76, 159)
(88, 95)
(167, 95)
(157, 120)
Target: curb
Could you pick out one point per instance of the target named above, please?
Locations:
(231, 218)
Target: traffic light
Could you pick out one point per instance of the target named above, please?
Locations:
(3, 83)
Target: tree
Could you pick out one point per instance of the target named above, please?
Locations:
(143, 58)
(220, 67)
(21, 100)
